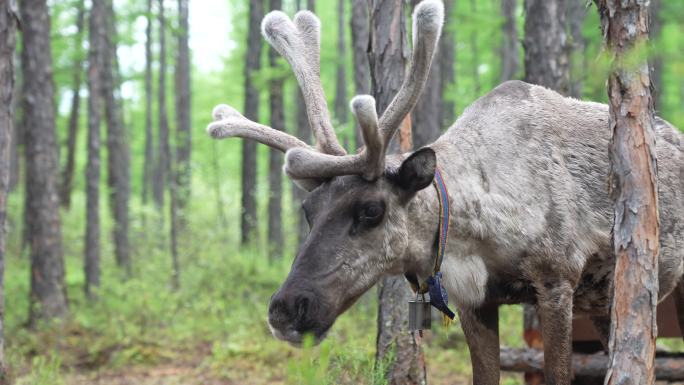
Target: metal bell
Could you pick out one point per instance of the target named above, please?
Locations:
(420, 316)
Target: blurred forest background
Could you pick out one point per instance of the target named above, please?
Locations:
(140, 251)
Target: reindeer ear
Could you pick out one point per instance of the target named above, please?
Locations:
(417, 171)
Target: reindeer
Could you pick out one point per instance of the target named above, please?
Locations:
(526, 172)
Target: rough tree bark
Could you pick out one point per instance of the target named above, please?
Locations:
(510, 60)
(95, 91)
(397, 349)
(68, 171)
(576, 12)
(657, 60)
(341, 102)
(359, 36)
(546, 58)
(148, 167)
(304, 133)
(447, 72)
(427, 114)
(17, 119)
(48, 292)
(634, 190)
(249, 161)
(546, 64)
(118, 158)
(183, 129)
(162, 170)
(8, 26)
(275, 158)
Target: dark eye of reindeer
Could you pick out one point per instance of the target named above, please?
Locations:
(370, 214)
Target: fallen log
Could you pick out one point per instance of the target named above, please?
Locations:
(668, 367)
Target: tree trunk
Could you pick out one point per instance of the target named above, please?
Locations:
(148, 167)
(341, 102)
(17, 132)
(8, 28)
(183, 129)
(311, 5)
(447, 58)
(426, 116)
(68, 171)
(249, 161)
(510, 59)
(359, 36)
(95, 92)
(546, 64)
(397, 350)
(657, 59)
(576, 12)
(633, 187)
(275, 158)
(163, 164)
(48, 292)
(546, 58)
(117, 144)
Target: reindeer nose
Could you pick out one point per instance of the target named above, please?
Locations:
(288, 311)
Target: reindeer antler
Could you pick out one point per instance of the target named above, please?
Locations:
(298, 42)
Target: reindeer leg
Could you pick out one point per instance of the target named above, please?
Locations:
(481, 329)
(554, 306)
(602, 326)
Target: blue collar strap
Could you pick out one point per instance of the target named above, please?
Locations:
(433, 285)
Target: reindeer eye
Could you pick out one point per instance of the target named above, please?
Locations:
(371, 214)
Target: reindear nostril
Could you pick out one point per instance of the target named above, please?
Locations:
(301, 307)
(278, 313)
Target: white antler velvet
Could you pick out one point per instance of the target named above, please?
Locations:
(298, 41)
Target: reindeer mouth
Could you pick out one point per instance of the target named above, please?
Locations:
(296, 338)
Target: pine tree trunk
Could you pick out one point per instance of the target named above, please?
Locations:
(447, 58)
(68, 171)
(183, 129)
(303, 132)
(341, 102)
(148, 167)
(397, 350)
(576, 13)
(8, 28)
(510, 59)
(48, 292)
(249, 161)
(546, 64)
(657, 59)
(546, 58)
(17, 120)
(95, 91)
(275, 158)
(163, 163)
(359, 35)
(633, 187)
(427, 115)
(118, 152)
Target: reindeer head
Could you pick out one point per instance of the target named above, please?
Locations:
(357, 204)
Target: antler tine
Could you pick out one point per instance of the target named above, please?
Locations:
(363, 107)
(428, 17)
(307, 164)
(299, 44)
(229, 123)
